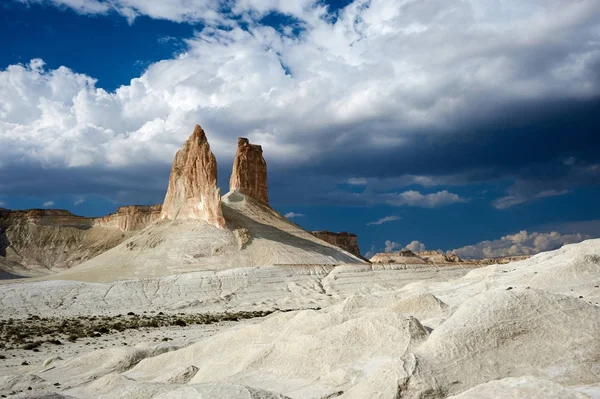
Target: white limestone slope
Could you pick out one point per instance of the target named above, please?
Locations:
(525, 329)
(181, 246)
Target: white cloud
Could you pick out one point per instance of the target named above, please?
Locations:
(415, 198)
(48, 204)
(357, 181)
(522, 243)
(173, 10)
(368, 65)
(519, 198)
(391, 246)
(79, 200)
(384, 220)
(291, 215)
(416, 246)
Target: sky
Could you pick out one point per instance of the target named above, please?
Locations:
(467, 125)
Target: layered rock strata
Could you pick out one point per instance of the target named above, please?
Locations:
(130, 218)
(193, 191)
(249, 174)
(344, 240)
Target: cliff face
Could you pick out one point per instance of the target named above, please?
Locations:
(45, 217)
(56, 239)
(346, 241)
(130, 218)
(193, 191)
(249, 174)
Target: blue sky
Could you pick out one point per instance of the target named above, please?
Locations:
(450, 122)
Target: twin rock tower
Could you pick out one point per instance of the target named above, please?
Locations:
(193, 191)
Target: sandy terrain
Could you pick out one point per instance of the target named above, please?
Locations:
(526, 330)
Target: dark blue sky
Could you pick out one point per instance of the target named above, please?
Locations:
(524, 165)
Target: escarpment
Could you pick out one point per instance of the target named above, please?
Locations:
(344, 240)
(130, 218)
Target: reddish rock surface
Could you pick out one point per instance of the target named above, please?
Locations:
(249, 175)
(346, 241)
(193, 191)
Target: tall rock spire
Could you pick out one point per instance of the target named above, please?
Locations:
(193, 191)
(249, 175)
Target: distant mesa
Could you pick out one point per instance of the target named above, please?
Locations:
(249, 174)
(406, 256)
(344, 240)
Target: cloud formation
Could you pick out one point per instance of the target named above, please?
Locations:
(48, 204)
(415, 198)
(522, 243)
(415, 246)
(391, 246)
(238, 76)
(291, 215)
(383, 220)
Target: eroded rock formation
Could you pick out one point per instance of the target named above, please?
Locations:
(437, 258)
(53, 238)
(193, 191)
(344, 240)
(130, 218)
(249, 174)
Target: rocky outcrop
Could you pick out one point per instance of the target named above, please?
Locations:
(130, 218)
(249, 174)
(438, 258)
(52, 238)
(405, 256)
(193, 191)
(45, 217)
(344, 240)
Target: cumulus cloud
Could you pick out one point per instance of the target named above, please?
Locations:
(173, 10)
(384, 220)
(415, 246)
(391, 246)
(291, 215)
(238, 76)
(522, 243)
(48, 204)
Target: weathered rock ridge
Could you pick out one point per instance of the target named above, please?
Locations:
(130, 218)
(408, 257)
(48, 239)
(193, 191)
(249, 174)
(344, 240)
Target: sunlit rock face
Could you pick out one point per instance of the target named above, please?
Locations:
(193, 191)
(130, 218)
(249, 174)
